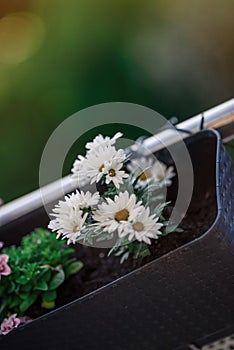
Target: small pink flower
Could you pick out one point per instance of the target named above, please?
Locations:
(9, 323)
(5, 270)
(1, 244)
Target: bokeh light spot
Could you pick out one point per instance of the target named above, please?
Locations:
(21, 35)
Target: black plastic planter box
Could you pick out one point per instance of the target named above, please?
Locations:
(185, 297)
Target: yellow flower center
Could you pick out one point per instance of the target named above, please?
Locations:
(122, 215)
(145, 175)
(112, 172)
(75, 229)
(138, 226)
(100, 168)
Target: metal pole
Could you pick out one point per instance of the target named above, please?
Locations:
(220, 118)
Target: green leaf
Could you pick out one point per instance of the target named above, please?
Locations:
(124, 257)
(24, 295)
(47, 276)
(57, 280)
(42, 285)
(11, 288)
(50, 295)
(172, 228)
(26, 288)
(68, 251)
(74, 268)
(145, 252)
(15, 302)
(2, 307)
(28, 302)
(48, 304)
(22, 280)
(178, 229)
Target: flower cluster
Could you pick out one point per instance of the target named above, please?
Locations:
(149, 169)
(13, 321)
(36, 269)
(8, 324)
(71, 215)
(128, 217)
(129, 210)
(102, 161)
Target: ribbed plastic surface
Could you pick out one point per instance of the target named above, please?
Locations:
(167, 304)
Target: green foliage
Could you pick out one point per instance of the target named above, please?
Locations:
(136, 249)
(38, 267)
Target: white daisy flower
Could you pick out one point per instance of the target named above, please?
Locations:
(142, 228)
(112, 215)
(76, 201)
(90, 169)
(103, 141)
(113, 173)
(97, 159)
(164, 174)
(69, 217)
(150, 170)
(69, 225)
(82, 200)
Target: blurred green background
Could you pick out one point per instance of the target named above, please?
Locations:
(57, 57)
